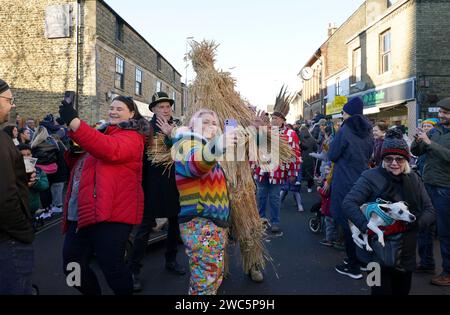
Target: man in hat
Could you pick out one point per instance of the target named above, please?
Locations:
(16, 231)
(161, 197)
(436, 176)
(350, 151)
(269, 184)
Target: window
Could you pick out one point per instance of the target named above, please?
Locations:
(119, 29)
(119, 80)
(158, 63)
(158, 86)
(356, 65)
(138, 87)
(174, 76)
(338, 86)
(385, 51)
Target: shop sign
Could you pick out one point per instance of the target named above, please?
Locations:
(398, 93)
(337, 105)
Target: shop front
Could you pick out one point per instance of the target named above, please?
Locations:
(394, 103)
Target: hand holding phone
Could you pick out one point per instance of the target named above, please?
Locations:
(230, 124)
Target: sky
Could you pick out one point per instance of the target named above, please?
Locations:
(263, 43)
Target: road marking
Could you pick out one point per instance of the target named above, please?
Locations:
(57, 221)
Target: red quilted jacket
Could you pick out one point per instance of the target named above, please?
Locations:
(110, 187)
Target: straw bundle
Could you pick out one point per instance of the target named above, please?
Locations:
(215, 90)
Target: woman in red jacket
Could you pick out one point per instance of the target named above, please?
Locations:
(104, 197)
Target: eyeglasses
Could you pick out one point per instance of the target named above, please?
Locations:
(11, 100)
(390, 159)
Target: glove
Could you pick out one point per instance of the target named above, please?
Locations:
(67, 112)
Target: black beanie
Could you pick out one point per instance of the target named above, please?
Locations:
(394, 144)
(3, 86)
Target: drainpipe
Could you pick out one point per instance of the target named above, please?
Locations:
(77, 30)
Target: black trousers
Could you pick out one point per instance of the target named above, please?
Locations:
(393, 282)
(141, 240)
(108, 241)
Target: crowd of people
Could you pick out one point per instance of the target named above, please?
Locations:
(111, 184)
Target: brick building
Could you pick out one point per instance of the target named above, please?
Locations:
(50, 46)
(393, 54)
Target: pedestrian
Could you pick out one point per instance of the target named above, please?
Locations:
(379, 131)
(45, 148)
(13, 133)
(30, 125)
(58, 179)
(205, 206)
(104, 197)
(16, 231)
(161, 198)
(40, 185)
(393, 181)
(350, 151)
(24, 136)
(436, 176)
(307, 145)
(269, 183)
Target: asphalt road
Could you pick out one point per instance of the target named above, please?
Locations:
(300, 265)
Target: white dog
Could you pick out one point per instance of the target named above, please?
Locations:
(380, 214)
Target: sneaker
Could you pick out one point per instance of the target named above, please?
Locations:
(275, 229)
(362, 267)
(300, 208)
(175, 268)
(326, 243)
(265, 221)
(137, 286)
(353, 273)
(424, 269)
(441, 280)
(297, 183)
(256, 275)
(309, 190)
(57, 209)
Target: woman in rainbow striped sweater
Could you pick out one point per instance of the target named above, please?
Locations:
(205, 206)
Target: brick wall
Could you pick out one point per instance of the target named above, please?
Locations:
(39, 70)
(433, 46)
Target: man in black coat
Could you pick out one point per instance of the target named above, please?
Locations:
(16, 231)
(161, 197)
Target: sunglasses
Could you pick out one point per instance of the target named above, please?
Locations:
(399, 160)
(11, 100)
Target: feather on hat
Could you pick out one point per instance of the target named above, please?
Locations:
(282, 103)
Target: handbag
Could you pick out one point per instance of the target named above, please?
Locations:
(390, 255)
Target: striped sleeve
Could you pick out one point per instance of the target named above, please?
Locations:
(192, 160)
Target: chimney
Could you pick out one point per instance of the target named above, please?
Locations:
(331, 29)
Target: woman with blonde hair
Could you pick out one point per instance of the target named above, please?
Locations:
(204, 201)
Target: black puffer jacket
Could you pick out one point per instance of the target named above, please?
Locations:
(46, 152)
(373, 184)
(161, 197)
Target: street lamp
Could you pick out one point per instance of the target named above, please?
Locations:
(186, 78)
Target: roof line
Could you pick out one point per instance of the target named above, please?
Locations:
(137, 33)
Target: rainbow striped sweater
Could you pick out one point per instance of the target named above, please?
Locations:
(201, 183)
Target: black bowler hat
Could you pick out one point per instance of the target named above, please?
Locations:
(159, 97)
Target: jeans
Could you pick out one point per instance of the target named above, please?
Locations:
(108, 241)
(16, 268)
(272, 191)
(350, 246)
(440, 197)
(57, 194)
(141, 240)
(331, 230)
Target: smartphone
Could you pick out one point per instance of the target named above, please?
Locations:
(230, 124)
(69, 97)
